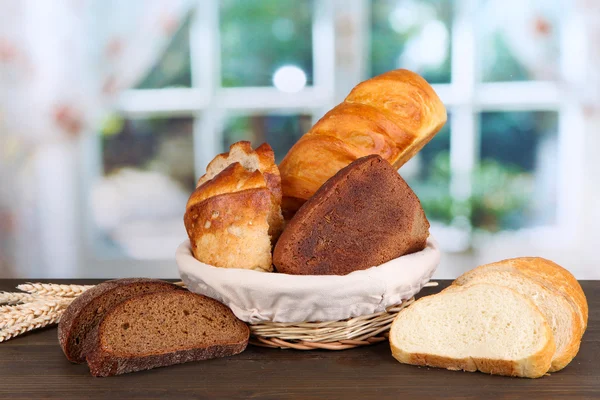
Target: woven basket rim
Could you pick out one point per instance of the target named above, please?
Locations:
(328, 335)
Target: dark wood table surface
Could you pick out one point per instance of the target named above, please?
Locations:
(33, 366)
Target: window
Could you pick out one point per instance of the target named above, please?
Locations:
(235, 70)
(495, 165)
(267, 70)
(281, 131)
(412, 34)
(258, 37)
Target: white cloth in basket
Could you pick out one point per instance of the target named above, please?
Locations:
(262, 296)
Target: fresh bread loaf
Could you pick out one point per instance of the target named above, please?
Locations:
(393, 115)
(480, 327)
(560, 314)
(234, 215)
(553, 288)
(163, 328)
(262, 159)
(86, 311)
(364, 216)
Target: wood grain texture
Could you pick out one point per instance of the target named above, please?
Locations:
(34, 367)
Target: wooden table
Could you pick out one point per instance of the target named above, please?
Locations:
(33, 366)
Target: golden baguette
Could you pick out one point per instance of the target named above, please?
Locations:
(393, 115)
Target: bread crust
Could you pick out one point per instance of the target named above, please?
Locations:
(262, 161)
(534, 366)
(556, 279)
(103, 363)
(234, 178)
(393, 115)
(362, 217)
(231, 230)
(263, 157)
(560, 279)
(94, 298)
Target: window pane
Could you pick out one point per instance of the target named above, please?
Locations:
(519, 40)
(173, 68)
(280, 131)
(428, 174)
(412, 34)
(148, 174)
(515, 183)
(259, 37)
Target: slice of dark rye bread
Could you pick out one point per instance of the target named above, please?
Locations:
(363, 216)
(164, 328)
(86, 311)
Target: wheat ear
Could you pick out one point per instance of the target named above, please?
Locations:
(53, 289)
(13, 315)
(7, 298)
(26, 326)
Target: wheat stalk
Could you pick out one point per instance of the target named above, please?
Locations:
(7, 298)
(53, 289)
(17, 314)
(29, 325)
(37, 303)
(40, 306)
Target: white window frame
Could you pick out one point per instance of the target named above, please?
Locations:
(465, 97)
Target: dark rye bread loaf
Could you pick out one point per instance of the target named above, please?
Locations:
(363, 216)
(164, 328)
(86, 311)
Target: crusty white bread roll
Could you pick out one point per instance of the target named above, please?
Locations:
(261, 159)
(234, 215)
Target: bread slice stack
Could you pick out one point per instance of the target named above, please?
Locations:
(135, 324)
(163, 328)
(518, 317)
(87, 310)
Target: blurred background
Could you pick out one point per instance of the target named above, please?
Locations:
(110, 111)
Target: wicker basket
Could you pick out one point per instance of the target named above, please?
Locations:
(330, 335)
(307, 312)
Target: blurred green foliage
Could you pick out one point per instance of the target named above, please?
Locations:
(504, 181)
(280, 131)
(260, 36)
(513, 137)
(499, 200)
(498, 64)
(388, 42)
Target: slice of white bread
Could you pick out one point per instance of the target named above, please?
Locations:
(560, 314)
(551, 275)
(482, 327)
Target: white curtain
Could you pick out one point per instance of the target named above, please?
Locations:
(62, 63)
